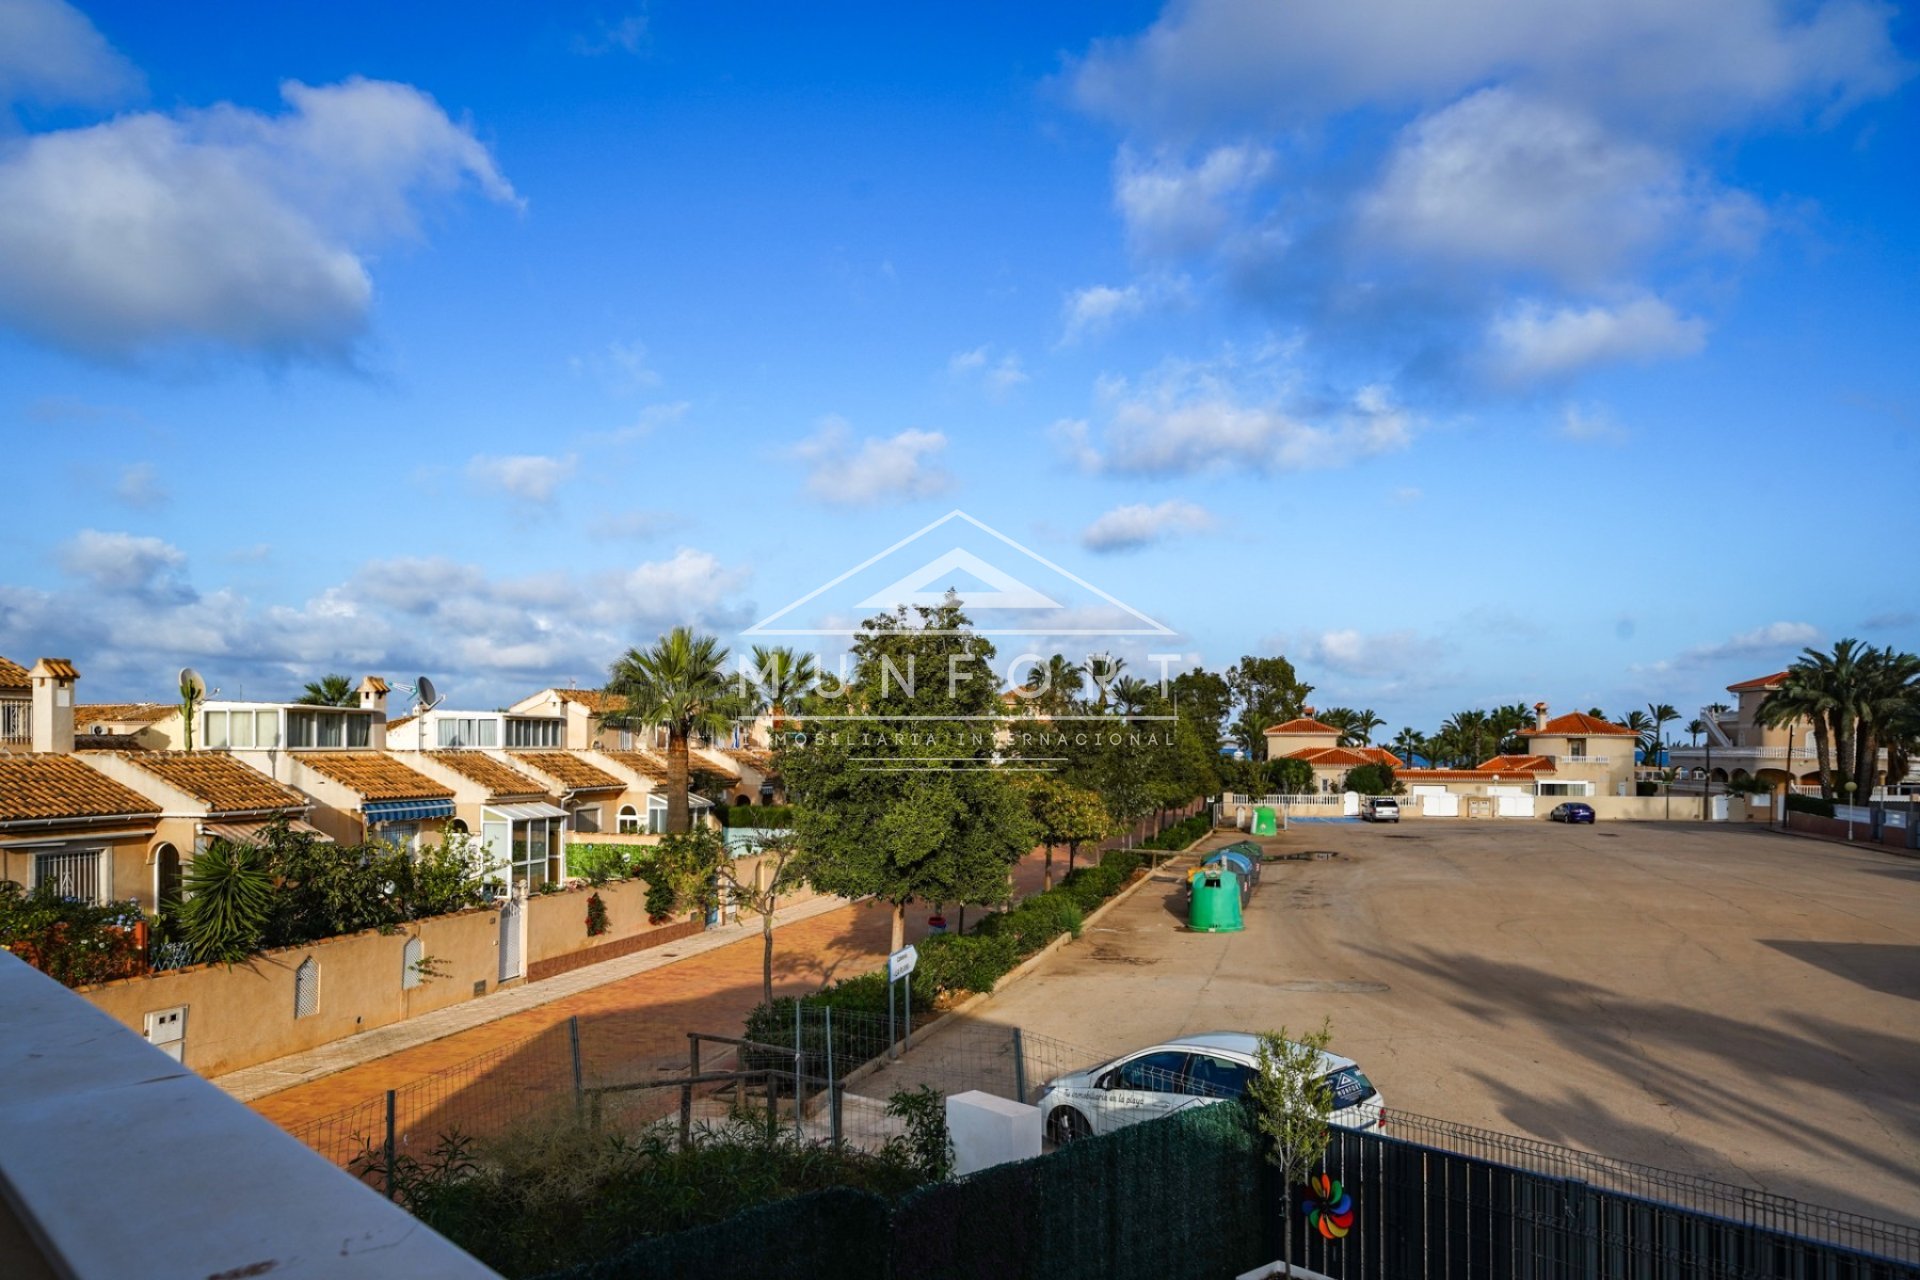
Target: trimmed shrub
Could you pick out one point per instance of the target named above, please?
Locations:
(1816, 805)
(599, 863)
(1179, 835)
(778, 817)
(1646, 787)
(953, 962)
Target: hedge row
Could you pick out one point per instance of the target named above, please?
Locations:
(778, 817)
(953, 963)
(1809, 804)
(1180, 834)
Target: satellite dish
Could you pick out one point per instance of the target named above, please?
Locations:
(428, 695)
(191, 685)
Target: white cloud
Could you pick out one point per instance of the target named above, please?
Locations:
(1191, 417)
(533, 477)
(139, 487)
(51, 54)
(1171, 207)
(873, 470)
(125, 564)
(628, 35)
(1095, 309)
(1397, 655)
(622, 365)
(619, 526)
(224, 226)
(1594, 425)
(1405, 495)
(1497, 178)
(131, 618)
(997, 376)
(1128, 528)
(1775, 643)
(1234, 63)
(1530, 341)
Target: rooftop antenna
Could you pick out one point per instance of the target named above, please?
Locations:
(425, 699)
(193, 691)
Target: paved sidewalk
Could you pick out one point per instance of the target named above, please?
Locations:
(265, 1078)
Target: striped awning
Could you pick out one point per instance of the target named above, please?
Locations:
(405, 810)
(525, 812)
(249, 832)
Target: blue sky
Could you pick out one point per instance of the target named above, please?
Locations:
(1480, 355)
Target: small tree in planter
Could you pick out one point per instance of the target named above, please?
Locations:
(596, 916)
(1293, 1105)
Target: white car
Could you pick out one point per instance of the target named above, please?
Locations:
(1188, 1072)
(1380, 809)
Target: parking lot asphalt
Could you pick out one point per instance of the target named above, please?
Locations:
(1719, 1000)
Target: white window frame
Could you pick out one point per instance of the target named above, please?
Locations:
(102, 870)
(628, 822)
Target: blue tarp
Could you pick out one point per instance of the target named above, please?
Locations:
(405, 810)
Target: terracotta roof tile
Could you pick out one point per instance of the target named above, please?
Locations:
(395, 724)
(570, 769)
(1303, 724)
(58, 668)
(13, 675)
(644, 763)
(1517, 764)
(376, 684)
(709, 760)
(216, 779)
(755, 758)
(91, 713)
(376, 775)
(598, 701)
(502, 781)
(1579, 725)
(1773, 681)
(60, 786)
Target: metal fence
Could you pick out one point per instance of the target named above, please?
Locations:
(1431, 1198)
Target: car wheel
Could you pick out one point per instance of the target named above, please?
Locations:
(1067, 1126)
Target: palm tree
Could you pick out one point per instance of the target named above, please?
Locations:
(1469, 730)
(1407, 742)
(1660, 713)
(681, 682)
(1696, 727)
(1507, 722)
(1104, 668)
(781, 678)
(1638, 723)
(1345, 719)
(1055, 686)
(1364, 723)
(328, 691)
(1130, 695)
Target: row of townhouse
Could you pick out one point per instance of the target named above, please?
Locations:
(1570, 755)
(111, 801)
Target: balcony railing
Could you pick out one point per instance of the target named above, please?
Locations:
(1564, 761)
(16, 721)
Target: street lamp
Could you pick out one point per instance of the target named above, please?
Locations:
(1851, 788)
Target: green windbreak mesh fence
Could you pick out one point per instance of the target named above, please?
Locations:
(1184, 1197)
(832, 1233)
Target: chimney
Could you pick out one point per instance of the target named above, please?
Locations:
(1306, 713)
(373, 694)
(53, 681)
(1540, 715)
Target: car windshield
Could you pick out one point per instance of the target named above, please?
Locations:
(1161, 1072)
(1350, 1088)
(1211, 1077)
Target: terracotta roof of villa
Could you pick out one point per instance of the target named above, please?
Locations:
(644, 763)
(1517, 764)
(1773, 681)
(217, 780)
(376, 775)
(709, 760)
(572, 772)
(502, 781)
(598, 701)
(1347, 757)
(91, 713)
(1303, 724)
(395, 724)
(1578, 724)
(13, 675)
(755, 758)
(44, 785)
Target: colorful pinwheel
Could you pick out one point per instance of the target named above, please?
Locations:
(1328, 1207)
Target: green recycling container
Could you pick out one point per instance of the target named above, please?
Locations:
(1215, 902)
(1264, 822)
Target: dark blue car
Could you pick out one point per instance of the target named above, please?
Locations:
(1572, 811)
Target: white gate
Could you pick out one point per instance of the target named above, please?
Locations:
(1515, 806)
(512, 917)
(167, 1031)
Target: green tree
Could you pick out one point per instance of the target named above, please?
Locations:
(1469, 731)
(1287, 776)
(905, 804)
(1063, 814)
(1661, 713)
(1506, 724)
(1268, 692)
(1204, 698)
(1696, 727)
(1408, 742)
(229, 898)
(1858, 699)
(1053, 687)
(329, 691)
(680, 682)
(1293, 1106)
(1370, 780)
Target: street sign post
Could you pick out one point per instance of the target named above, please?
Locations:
(900, 969)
